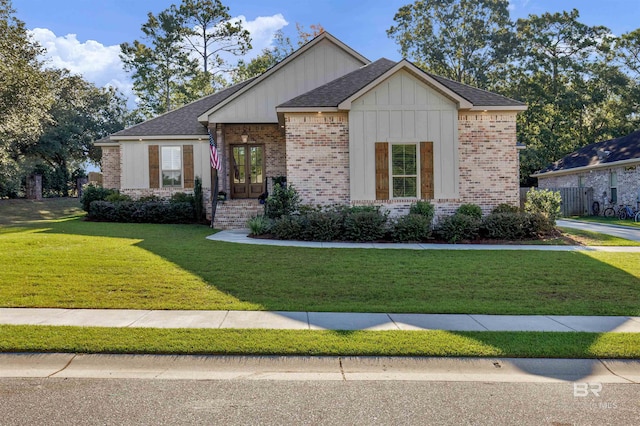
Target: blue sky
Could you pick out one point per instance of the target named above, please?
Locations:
(84, 35)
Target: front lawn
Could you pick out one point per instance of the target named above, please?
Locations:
(77, 264)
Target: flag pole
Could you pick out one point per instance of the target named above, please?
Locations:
(215, 166)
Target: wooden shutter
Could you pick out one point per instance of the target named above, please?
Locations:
(382, 171)
(426, 170)
(187, 164)
(154, 166)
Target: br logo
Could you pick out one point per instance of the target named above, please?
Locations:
(584, 389)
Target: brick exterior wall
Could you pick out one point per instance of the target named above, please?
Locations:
(488, 159)
(274, 146)
(599, 180)
(111, 167)
(317, 152)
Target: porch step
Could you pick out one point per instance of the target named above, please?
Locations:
(234, 214)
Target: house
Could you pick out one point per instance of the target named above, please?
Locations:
(340, 128)
(609, 167)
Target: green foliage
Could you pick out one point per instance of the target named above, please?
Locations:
(514, 226)
(116, 197)
(365, 225)
(460, 40)
(259, 225)
(505, 208)
(424, 208)
(283, 201)
(181, 197)
(472, 210)
(198, 199)
(94, 193)
(322, 226)
(137, 212)
(544, 202)
(287, 228)
(412, 227)
(458, 227)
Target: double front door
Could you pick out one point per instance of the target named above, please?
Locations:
(247, 171)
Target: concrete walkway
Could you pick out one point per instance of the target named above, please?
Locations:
(241, 236)
(314, 320)
(625, 232)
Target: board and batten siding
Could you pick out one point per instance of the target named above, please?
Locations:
(319, 65)
(135, 162)
(402, 109)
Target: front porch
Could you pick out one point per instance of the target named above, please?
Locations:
(234, 214)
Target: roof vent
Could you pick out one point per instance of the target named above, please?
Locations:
(602, 154)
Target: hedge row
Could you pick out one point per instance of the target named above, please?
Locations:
(141, 212)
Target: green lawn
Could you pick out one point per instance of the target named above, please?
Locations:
(589, 238)
(72, 263)
(306, 342)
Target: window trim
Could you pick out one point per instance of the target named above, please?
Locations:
(180, 170)
(417, 175)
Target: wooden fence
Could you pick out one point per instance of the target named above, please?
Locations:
(575, 201)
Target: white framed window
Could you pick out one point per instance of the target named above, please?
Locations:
(613, 184)
(171, 160)
(404, 171)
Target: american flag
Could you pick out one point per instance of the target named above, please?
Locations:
(213, 152)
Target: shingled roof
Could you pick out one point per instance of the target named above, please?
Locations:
(600, 153)
(336, 91)
(181, 121)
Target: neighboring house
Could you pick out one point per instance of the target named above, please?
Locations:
(609, 167)
(340, 128)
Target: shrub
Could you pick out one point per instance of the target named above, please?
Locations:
(322, 226)
(472, 210)
(423, 208)
(181, 197)
(458, 227)
(544, 202)
(287, 228)
(505, 208)
(259, 225)
(94, 193)
(412, 227)
(283, 202)
(150, 212)
(198, 200)
(116, 197)
(364, 225)
(515, 226)
(150, 198)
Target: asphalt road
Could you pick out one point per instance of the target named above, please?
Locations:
(68, 401)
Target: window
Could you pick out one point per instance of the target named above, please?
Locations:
(580, 181)
(171, 166)
(404, 170)
(613, 183)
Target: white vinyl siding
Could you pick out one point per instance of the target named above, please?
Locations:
(403, 109)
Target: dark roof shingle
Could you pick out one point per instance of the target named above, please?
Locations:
(605, 152)
(336, 91)
(184, 120)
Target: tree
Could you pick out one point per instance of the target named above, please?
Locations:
(162, 69)
(24, 97)
(182, 54)
(463, 40)
(282, 47)
(562, 70)
(209, 31)
(81, 114)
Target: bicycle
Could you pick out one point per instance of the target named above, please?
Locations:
(610, 211)
(626, 212)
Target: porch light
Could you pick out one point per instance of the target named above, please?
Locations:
(244, 136)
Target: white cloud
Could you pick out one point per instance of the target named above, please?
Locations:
(102, 66)
(96, 62)
(262, 30)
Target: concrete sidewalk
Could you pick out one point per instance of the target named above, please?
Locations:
(314, 320)
(241, 236)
